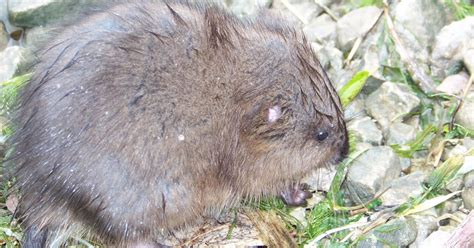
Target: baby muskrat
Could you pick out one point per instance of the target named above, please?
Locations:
(145, 117)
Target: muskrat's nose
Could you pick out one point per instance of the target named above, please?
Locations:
(343, 149)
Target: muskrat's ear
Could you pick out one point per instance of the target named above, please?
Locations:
(274, 113)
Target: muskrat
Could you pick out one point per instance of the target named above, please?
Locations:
(142, 118)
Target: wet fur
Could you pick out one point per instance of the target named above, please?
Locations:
(99, 145)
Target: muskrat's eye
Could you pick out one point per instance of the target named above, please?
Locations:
(321, 135)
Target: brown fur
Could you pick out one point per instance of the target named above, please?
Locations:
(143, 118)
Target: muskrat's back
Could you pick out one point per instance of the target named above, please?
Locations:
(144, 117)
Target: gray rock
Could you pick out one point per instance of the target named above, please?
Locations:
(320, 179)
(247, 7)
(371, 85)
(355, 109)
(468, 60)
(342, 76)
(334, 56)
(422, 18)
(450, 45)
(406, 164)
(9, 59)
(454, 84)
(321, 29)
(25, 13)
(372, 61)
(455, 184)
(303, 10)
(401, 189)
(365, 130)
(449, 206)
(3, 36)
(354, 25)
(328, 55)
(465, 115)
(468, 142)
(417, 22)
(436, 114)
(299, 213)
(399, 232)
(426, 223)
(468, 191)
(389, 103)
(371, 172)
(467, 166)
(400, 133)
(456, 150)
(436, 239)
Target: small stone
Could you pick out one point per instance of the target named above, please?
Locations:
(401, 189)
(450, 206)
(9, 59)
(247, 7)
(365, 130)
(3, 36)
(451, 43)
(328, 55)
(455, 184)
(39, 12)
(417, 23)
(321, 29)
(371, 85)
(320, 179)
(468, 191)
(355, 24)
(426, 223)
(406, 164)
(399, 232)
(389, 103)
(468, 60)
(355, 109)
(304, 10)
(458, 149)
(454, 84)
(313, 201)
(372, 171)
(343, 76)
(400, 133)
(424, 19)
(299, 214)
(465, 116)
(467, 166)
(436, 239)
(16, 35)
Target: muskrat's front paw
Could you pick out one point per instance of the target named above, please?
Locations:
(295, 196)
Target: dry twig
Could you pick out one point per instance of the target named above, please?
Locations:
(327, 10)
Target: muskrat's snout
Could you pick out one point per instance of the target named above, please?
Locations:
(342, 144)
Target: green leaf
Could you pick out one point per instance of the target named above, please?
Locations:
(417, 144)
(9, 91)
(365, 3)
(446, 171)
(352, 88)
(430, 203)
(460, 8)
